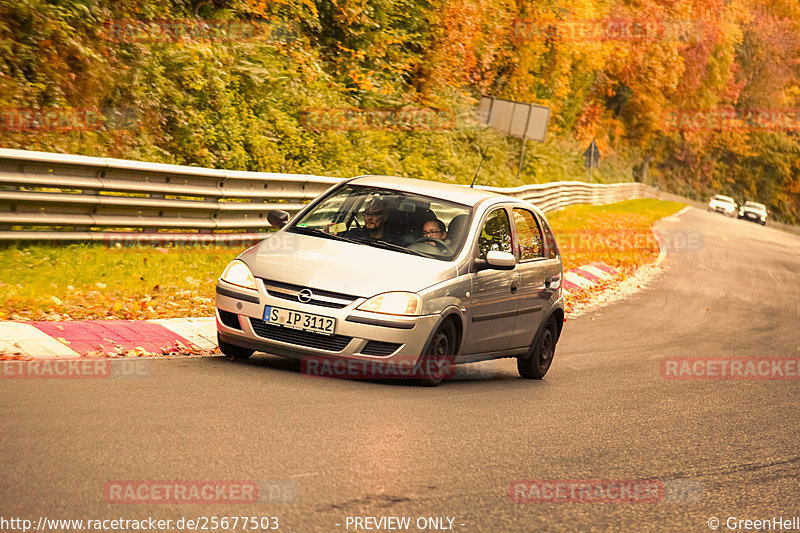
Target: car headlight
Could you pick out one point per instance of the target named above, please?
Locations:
(393, 303)
(239, 274)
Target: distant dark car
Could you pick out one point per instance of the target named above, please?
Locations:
(754, 212)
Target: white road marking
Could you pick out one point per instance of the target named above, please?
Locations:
(775, 280)
(580, 281)
(602, 274)
(676, 215)
(202, 332)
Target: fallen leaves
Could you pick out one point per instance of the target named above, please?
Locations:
(620, 240)
(18, 356)
(175, 348)
(93, 281)
(120, 304)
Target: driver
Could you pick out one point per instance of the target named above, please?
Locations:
(374, 229)
(435, 229)
(375, 218)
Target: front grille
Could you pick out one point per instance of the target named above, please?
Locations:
(333, 343)
(229, 319)
(380, 348)
(313, 301)
(321, 298)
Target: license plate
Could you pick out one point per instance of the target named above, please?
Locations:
(299, 320)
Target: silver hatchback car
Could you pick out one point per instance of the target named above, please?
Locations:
(400, 273)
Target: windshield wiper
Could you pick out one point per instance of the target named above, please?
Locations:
(319, 233)
(380, 243)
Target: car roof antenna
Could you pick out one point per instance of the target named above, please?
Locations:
(483, 156)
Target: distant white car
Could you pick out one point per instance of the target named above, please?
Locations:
(722, 204)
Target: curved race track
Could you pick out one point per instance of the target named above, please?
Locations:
(718, 448)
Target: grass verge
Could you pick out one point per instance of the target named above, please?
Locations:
(93, 281)
(617, 234)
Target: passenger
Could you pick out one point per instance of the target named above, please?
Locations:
(433, 229)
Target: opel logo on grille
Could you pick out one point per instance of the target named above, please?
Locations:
(305, 295)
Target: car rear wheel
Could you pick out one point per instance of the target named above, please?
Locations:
(231, 350)
(540, 355)
(435, 364)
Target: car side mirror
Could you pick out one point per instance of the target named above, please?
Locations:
(501, 260)
(277, 218)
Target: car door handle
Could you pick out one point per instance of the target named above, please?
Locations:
(551, 280)
(514, 287)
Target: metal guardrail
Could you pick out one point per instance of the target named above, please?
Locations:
(66, 197)
(560, 194)
(783, 227)
(556, 195)
(47, 196)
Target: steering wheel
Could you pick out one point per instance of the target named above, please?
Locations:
(441, 246)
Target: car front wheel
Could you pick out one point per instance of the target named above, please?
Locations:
(537, 361)
(231, 350)
(437, 361)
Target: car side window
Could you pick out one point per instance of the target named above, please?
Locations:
(496, 233)
(528, 234)
(551, 243)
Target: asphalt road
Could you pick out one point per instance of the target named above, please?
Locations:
(718, 448)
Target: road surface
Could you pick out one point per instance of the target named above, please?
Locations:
(325, 452)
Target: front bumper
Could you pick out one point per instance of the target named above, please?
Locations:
(753, 217)
(359, 335)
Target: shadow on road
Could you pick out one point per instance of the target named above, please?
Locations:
(486, 376)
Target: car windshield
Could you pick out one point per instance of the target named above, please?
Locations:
(384, 218)
(755, 206)
(725, 199)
